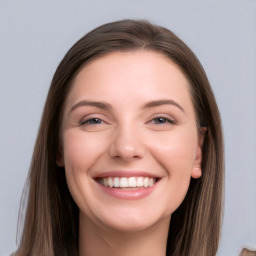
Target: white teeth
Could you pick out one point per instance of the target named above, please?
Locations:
(132, 182)
(140, 182)
(145, 182)
(116, 182)
(109, 182)
(124, 182)
(150, 182)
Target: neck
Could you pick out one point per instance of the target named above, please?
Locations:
(98, 241)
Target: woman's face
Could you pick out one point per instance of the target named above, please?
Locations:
(130, 143)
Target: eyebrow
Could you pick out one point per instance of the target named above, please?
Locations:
(107, 106)
(102, 105)
(157, 103)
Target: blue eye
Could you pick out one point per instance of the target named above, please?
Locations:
(162, 120)
(93, 121)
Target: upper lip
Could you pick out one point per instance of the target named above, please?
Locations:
(126, 173)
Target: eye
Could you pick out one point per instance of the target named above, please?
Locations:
(162, 120)
(92, 121)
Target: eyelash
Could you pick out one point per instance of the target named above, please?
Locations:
(167, 121)
(159, 120)
(87, 121)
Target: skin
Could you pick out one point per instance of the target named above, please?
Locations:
(130, 134)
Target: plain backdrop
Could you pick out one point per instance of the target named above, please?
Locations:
(35, 35)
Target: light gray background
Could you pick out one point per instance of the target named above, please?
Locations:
(35, 35)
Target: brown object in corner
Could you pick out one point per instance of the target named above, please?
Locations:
(247, 252)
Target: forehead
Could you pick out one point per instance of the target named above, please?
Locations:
(126, 76)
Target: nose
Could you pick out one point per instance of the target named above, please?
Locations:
(127, 145)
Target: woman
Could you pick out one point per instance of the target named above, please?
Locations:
(129, 155)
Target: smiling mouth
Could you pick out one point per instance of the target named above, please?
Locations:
(127, 182)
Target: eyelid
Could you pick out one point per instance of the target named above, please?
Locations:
(165, 116)
(92, 116)
(86, 121)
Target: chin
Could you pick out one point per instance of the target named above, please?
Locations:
(133, 221)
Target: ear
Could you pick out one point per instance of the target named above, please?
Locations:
(197, 170)
(60, 157)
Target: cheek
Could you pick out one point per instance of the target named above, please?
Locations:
(176, 154)
(177, 151)
(80, 151)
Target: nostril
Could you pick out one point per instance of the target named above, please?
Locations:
(126, 151)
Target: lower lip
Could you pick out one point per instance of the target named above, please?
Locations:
(128, 194)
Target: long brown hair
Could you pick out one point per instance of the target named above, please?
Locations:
(51, 220)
